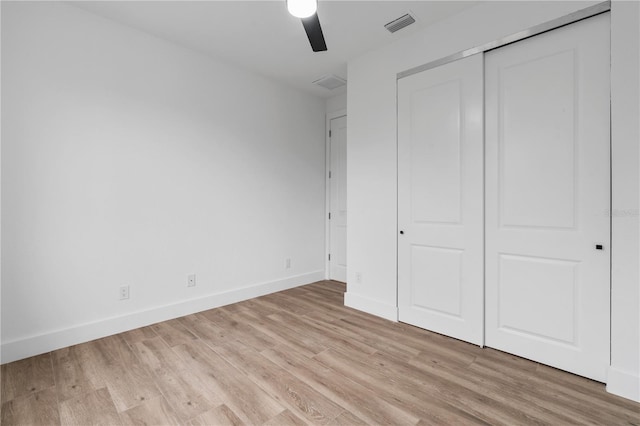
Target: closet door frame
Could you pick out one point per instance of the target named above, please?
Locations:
(571, 18)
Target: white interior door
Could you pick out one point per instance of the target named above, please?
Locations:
(338, 200)
(547, 194)
(440, 199)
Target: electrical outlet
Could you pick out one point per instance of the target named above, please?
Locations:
(358, 277)
(191, 280)
(287, 263)
(124, 292)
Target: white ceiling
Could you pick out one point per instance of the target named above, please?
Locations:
(263, 37)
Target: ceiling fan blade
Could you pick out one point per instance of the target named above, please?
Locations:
(314, 33)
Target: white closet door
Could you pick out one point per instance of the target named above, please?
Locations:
(547, 197)
(440, 199)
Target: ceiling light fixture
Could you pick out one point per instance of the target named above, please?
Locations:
(302, 8)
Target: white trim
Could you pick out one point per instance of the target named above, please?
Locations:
(34, 345)
(371, 306)
(327, 186)
(624, 384)
(569, 19)
(0, 193)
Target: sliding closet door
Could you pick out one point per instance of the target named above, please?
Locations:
(440, 197)
(547, 197)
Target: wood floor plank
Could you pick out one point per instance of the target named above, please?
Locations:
(261, 306)
(93, 408)
(321, 333)
(173, 332)
(589, 408)
(518, 396)
(70, 377)
(358, 399)
(439, 355)
(425, 401)
(110, 362)
(130, 387)
(416, 339)
(347, 419)
(286, 418)
(205, 329)
(336, 287)
(429, 342)
(446, 422)
(248, 401)
(117, 367)
(220, 416)
(187, 394)
(26, 376)
(155, 354)
(239, 326)
(296, 357)
(306, 305)
(91, 364)
(184, 390)
(34, 408)
(371, 337)
(113, 350)
(582, 385)
(283, 334)
(138, 334)
(296, 395)
(278, 300)
(153, 412)
(510, 361)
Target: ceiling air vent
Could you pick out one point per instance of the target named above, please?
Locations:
(400, 23)
(330, 82)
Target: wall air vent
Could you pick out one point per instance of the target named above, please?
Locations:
(330, 82)
(400, 23)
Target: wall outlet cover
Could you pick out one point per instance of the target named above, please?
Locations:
(191, 280)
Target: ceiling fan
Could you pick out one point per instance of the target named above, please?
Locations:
(306, 10)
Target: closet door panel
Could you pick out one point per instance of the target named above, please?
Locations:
(547, 197)
(440, 199)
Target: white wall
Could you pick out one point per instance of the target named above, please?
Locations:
(336, 103)
(372, 159)
(624, 375)
(127, 160)
(0, 193)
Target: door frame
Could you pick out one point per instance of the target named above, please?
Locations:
(327, 185)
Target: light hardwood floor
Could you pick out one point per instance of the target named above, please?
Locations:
(291, 358)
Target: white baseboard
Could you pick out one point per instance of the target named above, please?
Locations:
(35, 345)
(371, 306)
(624, 384)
